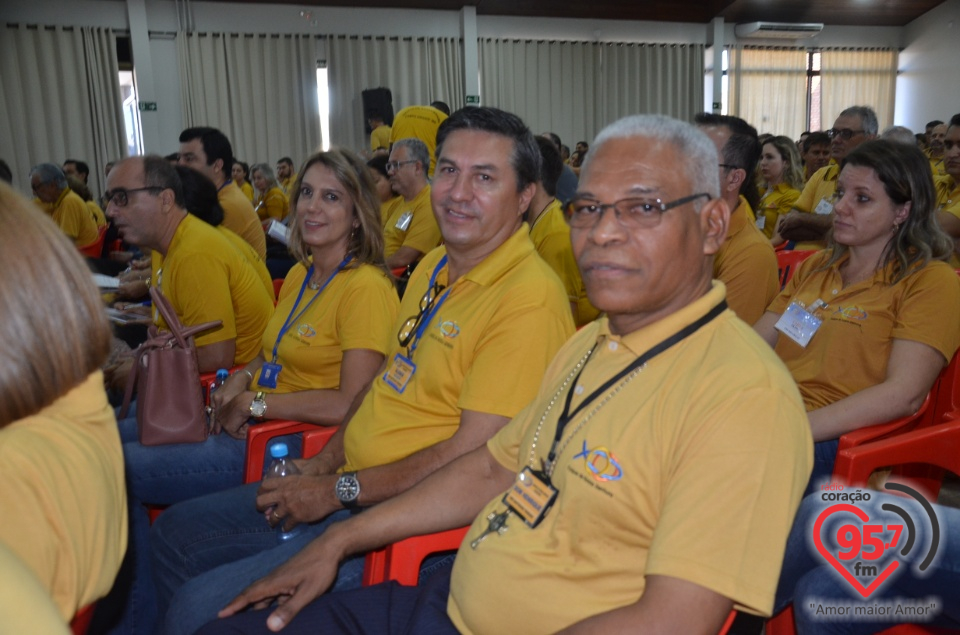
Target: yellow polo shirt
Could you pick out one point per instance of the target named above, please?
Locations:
(819, 189)
(358, 309)
(850, 350)
(380, 138)
(252, 258)
(937, 166)
(239, 217)
(73, 217)
(505, 317)
(419, 122)
(63, 498)
(551, 238)
(247, 190)
(286, 184)
(422, 232)
(948, 200)
(675, 451)
(272, 204)
(98, 216)
(205, 278)
(774, 204)
(747, 265)
(25, 605)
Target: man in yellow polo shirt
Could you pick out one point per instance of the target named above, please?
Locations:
(286, 176)
(379, 134)
(745, 262)
(200, 272)
(410, 229)
(550, 234)
(812, 215)
(481, 319)
(68, 210)
(628, 496)
(208, 151)
(948, 187)
(935, 149)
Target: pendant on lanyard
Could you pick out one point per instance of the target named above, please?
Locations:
(270, 371)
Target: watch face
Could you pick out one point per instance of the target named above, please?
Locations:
(258, 408)
(348, 488)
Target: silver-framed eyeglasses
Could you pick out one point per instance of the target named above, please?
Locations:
(120, 195)
(638, 212)
(393, 166)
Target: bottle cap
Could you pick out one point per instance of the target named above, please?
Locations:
(223, 373)
(279, 450)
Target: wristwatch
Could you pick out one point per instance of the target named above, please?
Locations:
(348, 490)
(258, 407)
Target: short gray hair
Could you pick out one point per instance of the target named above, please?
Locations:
(417, 151)
(900, 134)
(697, 151)
(266, 172)
(868, 118)
(50, 173)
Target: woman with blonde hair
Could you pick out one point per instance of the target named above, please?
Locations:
(782, 172)
(60, 458)
(271, 202)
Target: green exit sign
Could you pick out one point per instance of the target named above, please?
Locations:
(473, 100)
(148, 106)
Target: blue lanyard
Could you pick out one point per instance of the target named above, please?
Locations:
(434, 309)
(291, 318)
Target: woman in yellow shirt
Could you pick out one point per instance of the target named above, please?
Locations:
(782, 171)
(241, 174)
(271, 202)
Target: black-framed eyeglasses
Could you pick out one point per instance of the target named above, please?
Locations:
(121, 196)
(393, 166)
(843, 133)
(409, 328)
(639, 213)
(728, 166)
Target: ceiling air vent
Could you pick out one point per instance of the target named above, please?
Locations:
(777, 30)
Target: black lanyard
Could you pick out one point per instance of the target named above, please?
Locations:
(676, 338)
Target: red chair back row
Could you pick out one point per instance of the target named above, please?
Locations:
(94, 249)
(787, 263)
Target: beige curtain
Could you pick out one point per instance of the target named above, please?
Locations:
(768, 89)
(576, 88)
(59, 99)
(260, 90)
(858, 78)
(416, 70)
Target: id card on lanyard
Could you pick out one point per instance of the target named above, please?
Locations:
(270, 371)
(402, 368)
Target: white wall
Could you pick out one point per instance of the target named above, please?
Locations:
(928, 87)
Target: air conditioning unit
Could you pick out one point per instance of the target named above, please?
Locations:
(777, 30)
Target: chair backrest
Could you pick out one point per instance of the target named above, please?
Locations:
(277, 284)
(94, 249)
(787, 262)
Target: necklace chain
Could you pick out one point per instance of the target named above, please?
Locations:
(549, 466)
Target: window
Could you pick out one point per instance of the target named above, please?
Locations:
(131, 114)
(323, 99)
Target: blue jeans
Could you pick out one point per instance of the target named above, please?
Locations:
(164, 475)
(807, 579)
(207, 550)
(824, 456)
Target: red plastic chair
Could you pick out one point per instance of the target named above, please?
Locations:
(94, 249)
(277, 284)
(81, 621)
(260, 435)
(787, 262)
(401, 560)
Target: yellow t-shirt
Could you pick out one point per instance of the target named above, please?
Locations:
(287, 183)
(73, 217)
(251, 257)
(358, 309)
(239, 217)
(385, 210)
(380, 138)
(948, 200)
(937, 166)
(206, 278)
(272, 204)
(411, 224)
(247, 190)
(507, 314)
(850, 350)
(551, 238)
(63, 498)
(774, 204)
(98, 216)
(816, 195)
(25, 606)
(419, 122)
(675, 452)
(747, 266)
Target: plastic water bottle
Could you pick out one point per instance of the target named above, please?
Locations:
(222, 375)
(282, 466)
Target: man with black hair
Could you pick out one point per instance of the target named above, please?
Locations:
(208, 151)
(286, 177)
(745, 262)
(550, 234)
(815, 152)
(77, 169)
(567, 183)
(379, 134)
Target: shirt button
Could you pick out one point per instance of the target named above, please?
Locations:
(835, 292)
(578, 390)
(613, 346)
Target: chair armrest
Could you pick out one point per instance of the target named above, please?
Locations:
(401, 561)
(883, 430)
(259, 436)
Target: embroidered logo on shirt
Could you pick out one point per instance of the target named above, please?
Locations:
(600, 463)
(850, 313)
(449, 328)
(305, 330)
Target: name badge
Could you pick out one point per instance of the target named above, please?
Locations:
(400, 373)
(530, 497)
(798, 324)
(404, 221)
(269, 374)
(824, 207)
(761, 222)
